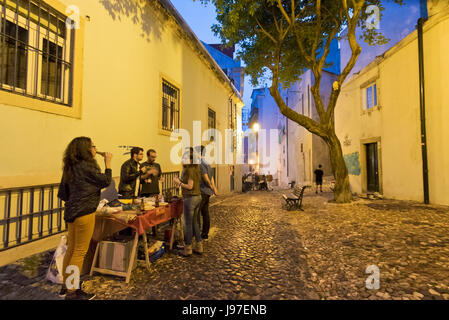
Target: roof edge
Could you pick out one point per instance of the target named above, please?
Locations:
(183, 24)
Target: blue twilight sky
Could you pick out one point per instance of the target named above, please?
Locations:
(200, 18)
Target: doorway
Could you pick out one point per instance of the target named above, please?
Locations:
(372, 167)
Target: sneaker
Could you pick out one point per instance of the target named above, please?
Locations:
(79, 295)
(187, 251)
(198, 249)
(62, 293)
(204, 236)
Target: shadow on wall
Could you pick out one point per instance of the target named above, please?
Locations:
(141, 12)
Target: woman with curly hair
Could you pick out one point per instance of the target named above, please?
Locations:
(80, 188)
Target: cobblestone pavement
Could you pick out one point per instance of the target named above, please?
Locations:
(258, 250)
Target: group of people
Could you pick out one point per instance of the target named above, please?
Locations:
(80, 189)
(197, 184)
(254, 181)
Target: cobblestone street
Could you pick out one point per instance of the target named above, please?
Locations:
(258, 250)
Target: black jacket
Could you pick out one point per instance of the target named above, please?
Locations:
(82, 193)
(128, 176)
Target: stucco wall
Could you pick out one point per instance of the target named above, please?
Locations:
(123, 65)
(396, 123)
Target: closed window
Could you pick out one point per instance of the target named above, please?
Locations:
(211, 119)
(170, 106)
(35, 51)
(371, 96)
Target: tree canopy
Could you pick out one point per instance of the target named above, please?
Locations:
(286, 37)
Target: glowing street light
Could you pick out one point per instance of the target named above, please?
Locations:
(256, 127)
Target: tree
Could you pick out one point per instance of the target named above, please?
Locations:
(283, 38)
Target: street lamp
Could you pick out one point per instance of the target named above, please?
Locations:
(256, 127)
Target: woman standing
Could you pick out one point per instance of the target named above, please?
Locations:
(190, 184)
(80, 188)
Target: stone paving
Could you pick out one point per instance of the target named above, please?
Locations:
(257, 250)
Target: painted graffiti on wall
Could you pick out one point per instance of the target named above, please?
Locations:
(353, 163)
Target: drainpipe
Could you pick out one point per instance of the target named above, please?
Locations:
(286, 124)
(422, 102)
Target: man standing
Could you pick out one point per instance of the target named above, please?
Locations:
(207, 188)
(319, 178)
(129, 173)
(150, 180)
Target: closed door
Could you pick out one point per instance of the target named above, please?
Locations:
(372, 168)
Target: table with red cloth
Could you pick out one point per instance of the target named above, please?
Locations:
(108, 224)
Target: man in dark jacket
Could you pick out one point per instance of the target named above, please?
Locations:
(129, 173)
(149, 182)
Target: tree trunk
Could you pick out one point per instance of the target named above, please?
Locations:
(342, 191)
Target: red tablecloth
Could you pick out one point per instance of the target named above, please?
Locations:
(107, 225)
(151, 218)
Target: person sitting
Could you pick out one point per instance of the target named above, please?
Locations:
(263, 183)
(256, 181)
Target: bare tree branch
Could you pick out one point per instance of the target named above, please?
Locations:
(355, 52)
(311, 125)
(281, 7)
(265, 32)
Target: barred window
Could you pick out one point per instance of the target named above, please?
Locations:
(35, 51)
(170, 106)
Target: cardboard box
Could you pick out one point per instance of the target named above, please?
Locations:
(116, 255)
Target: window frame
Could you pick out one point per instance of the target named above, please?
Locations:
(164, 78)
(71, 86)
(209, 111)
(21, 22)
(374, 96)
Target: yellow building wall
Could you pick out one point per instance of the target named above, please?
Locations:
(121, 99)
(395, 125)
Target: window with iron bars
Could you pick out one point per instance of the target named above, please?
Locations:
(35, 51)
(170, 106)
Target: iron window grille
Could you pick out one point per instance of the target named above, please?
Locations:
(36, 51)
(170, 106)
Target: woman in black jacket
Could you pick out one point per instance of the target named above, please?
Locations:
(80, 188)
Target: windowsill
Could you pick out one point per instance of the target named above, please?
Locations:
(18, 100)
(165, 132)
(371, 110)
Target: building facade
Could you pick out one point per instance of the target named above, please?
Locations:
(122, 76)
(299, 152)
(378, 117)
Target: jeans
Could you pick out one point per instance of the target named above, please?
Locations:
(205, 214)
(192, 219)
(78, 240)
